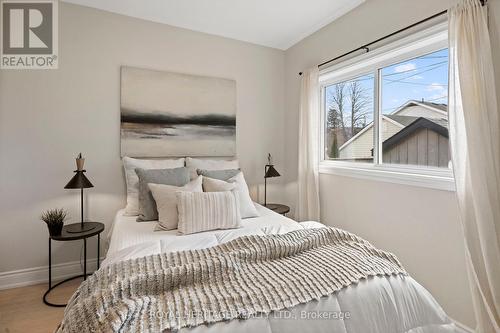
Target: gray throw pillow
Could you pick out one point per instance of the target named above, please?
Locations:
(147, 204)
(219, 174)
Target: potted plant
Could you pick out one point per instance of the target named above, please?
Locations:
(54, 218)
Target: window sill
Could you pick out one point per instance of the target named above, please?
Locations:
(429, 178)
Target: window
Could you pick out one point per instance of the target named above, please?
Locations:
(349, 113)
(414, 113)
(385, 113)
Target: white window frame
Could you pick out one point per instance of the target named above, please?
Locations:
(415, 45)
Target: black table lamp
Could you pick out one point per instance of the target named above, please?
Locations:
(79, 181)
(270, 172)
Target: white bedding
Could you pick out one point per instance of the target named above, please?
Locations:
(379, 304)
(131, 239)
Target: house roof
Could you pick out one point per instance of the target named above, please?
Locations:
(403, 120)
(414, 126)
(438, 107)
(410, 124)
(408, 120)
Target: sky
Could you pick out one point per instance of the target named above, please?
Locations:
(425, 77)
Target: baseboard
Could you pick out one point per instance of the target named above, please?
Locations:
(36, 275)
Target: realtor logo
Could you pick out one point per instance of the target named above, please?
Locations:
(29, 34)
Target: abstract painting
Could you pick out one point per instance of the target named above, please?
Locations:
(172, 114)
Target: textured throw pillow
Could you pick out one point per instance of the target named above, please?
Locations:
(219, 174)
(204, 164)
(147, 205)
(166, 201)
(247, 208)
(132, 181)
(207, 211)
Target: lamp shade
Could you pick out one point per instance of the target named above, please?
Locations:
(79, 181)
(271, 172)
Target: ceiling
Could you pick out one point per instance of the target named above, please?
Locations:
(274, 23)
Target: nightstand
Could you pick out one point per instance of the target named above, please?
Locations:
(66, 236)
(278, 208)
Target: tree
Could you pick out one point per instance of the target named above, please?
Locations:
(334, 149)
(359, 101)
(338, 105)
(348, 107)
(333, 119)
(350, 95)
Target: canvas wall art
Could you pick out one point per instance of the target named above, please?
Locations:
(171, 114)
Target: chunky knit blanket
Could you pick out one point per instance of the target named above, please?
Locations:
(244, 277)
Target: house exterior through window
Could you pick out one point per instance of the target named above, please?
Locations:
(384, 114)
(416, 134)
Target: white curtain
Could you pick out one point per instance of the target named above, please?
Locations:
(308, 190)
(475, 150)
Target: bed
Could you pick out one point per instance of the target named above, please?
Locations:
(382, 304)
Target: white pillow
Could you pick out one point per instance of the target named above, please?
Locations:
(207, 211)
(217, 185)
(196, 163)
(166, 201)
(247, 208)
(132, 180)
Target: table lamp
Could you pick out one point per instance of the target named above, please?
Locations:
(270, 172)
(79, 181)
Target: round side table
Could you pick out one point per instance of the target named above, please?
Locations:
(66, 236)
(279, 208)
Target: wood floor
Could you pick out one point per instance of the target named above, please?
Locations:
(23, 311)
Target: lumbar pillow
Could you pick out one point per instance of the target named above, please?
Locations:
(247, 208)
(129, 165)
(166, 201)
(207, 211)
(204, 164)
(219, 174)
(147, 205)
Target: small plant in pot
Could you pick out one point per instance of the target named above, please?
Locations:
(54, 218)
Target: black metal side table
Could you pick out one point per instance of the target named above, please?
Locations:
(279, 208)
(70, 236)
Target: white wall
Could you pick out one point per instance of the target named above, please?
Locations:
(47, 117)
(421, 226)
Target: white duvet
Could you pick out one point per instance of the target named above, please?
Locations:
(378, 304)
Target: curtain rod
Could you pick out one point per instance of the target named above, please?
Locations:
(366, 47)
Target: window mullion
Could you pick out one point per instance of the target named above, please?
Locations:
(377, 93)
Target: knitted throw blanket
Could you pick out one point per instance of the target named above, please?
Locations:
(249, 275)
